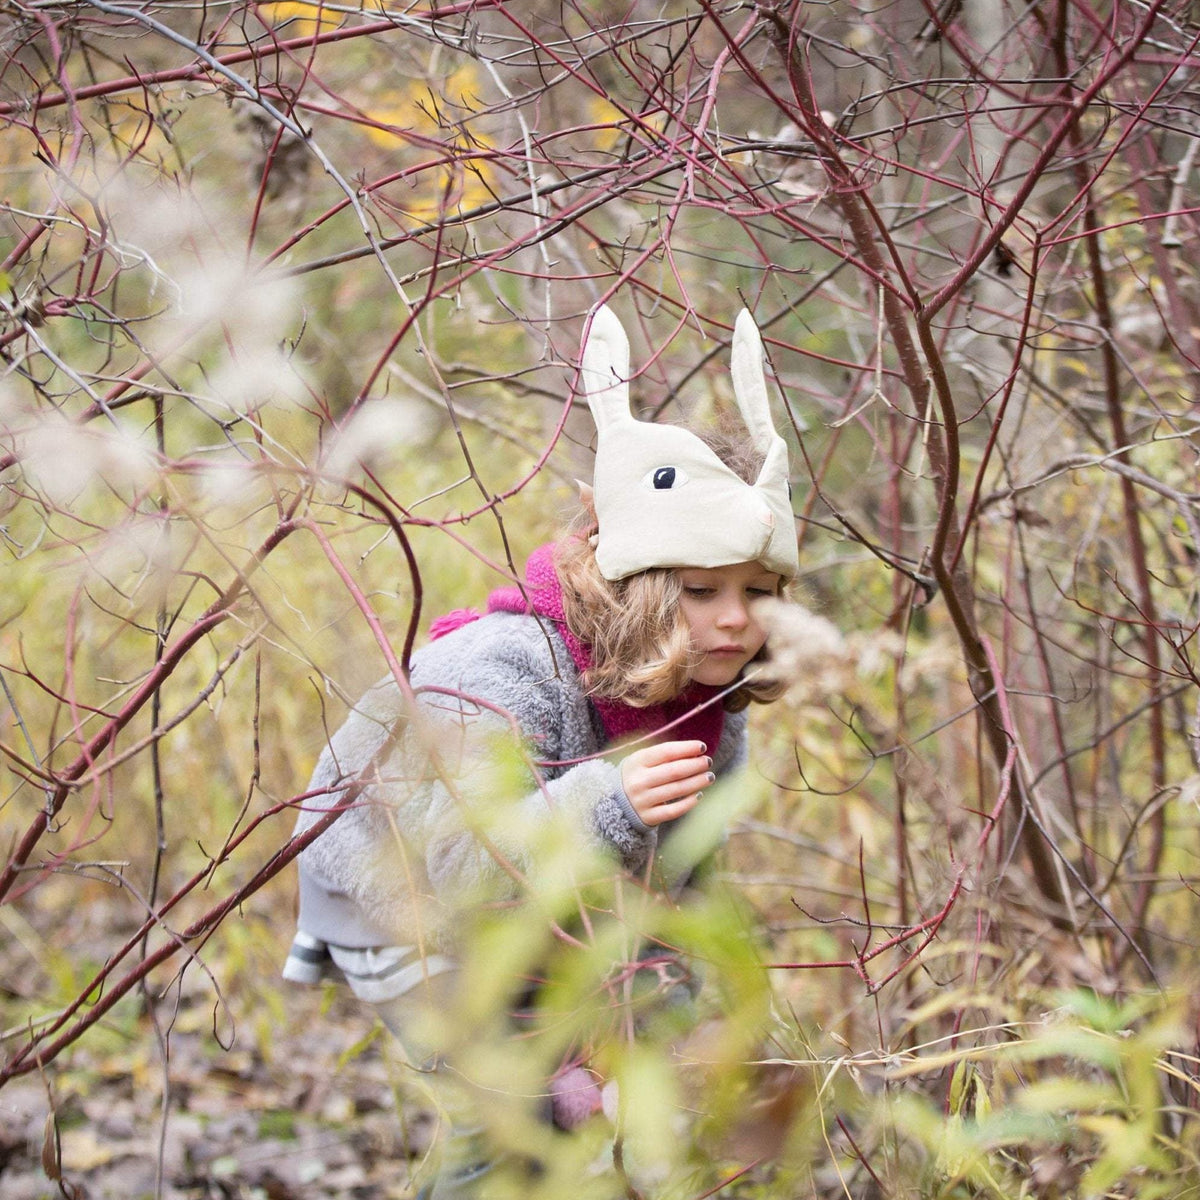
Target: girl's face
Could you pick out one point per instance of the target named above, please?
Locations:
(716, 604)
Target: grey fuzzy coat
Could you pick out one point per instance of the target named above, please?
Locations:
(450, 815)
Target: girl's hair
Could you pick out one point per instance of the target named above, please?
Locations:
(639, 638)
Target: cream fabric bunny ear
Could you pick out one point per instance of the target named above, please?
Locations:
(750, 391)
(663, 497)
(750, 384)
(604, 369)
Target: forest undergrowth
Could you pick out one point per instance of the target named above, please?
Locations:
(291, 296)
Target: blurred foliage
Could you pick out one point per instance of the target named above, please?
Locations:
(291, 296)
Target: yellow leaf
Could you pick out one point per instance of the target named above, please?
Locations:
(83, 1151)
(958, 1082)
(604, 112)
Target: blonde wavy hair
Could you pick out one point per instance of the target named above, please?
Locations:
(639, 638)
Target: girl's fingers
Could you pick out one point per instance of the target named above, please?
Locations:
(669, 785)
(667, 752)
(676, 808)
(664, 781)
(663, 792)
(674, 770)
(659, 814)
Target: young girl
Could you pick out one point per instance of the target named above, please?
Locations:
(618, 668)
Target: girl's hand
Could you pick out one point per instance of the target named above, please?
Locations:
(664, 781)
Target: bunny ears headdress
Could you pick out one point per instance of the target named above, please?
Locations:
(663, 498)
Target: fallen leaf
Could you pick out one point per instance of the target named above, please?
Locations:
(82, 1150)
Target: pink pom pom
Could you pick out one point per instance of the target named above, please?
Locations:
(453, 620)
(575, 1096)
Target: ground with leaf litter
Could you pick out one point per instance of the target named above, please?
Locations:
(306, 1103)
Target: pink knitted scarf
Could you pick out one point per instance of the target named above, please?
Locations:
(697, 708)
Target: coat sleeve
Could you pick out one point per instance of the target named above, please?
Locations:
(455, 801)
